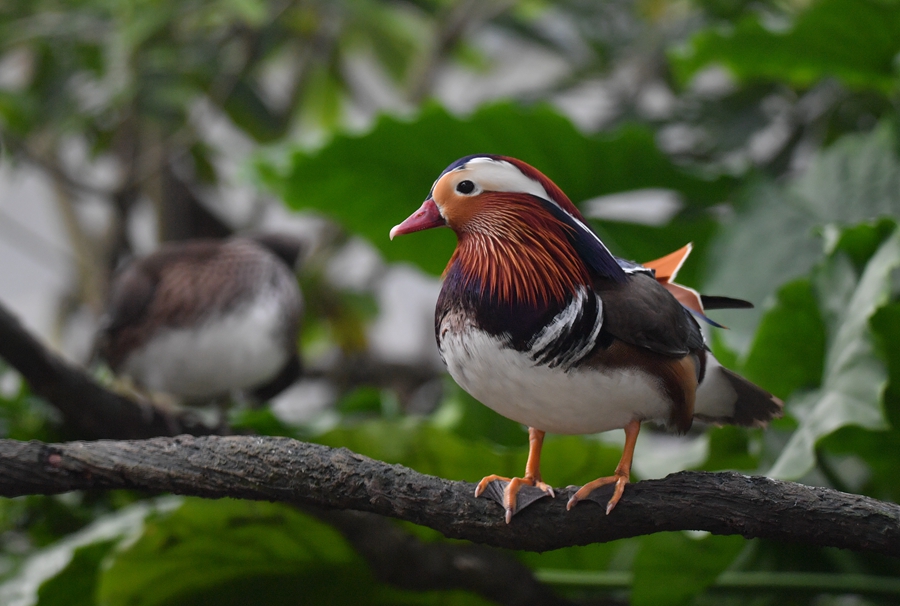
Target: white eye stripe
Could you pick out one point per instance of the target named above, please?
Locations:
(498, 175)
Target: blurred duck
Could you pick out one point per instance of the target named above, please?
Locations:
(541, 323)
(202, 319)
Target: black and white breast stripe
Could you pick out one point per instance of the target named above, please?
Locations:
(571, 335)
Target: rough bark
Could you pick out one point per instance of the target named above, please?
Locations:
(282, 469)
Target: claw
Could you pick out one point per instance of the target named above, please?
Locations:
(486, 482)
(585, 492)
(619, 478)
(513, 494)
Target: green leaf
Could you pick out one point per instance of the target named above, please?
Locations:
(886, 327)
(231, 552)
(876, 448)
(789, 347)
(856, 179)
(758, 250)
(855, 377)
(860, 242)
(373, 182)
(39, 569)
(774, 237)
(729, 448)
(361, 401)
(205, 544)
(597, 556)
(855, 41)
(672, 568)
(251, 113)
(76, 585)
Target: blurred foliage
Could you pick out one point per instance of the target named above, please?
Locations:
(857, 179)
(94, 66)
(23, 416)
(252, 553)
(854, 41)
(699, 561)
(383, 188)
(807, 231)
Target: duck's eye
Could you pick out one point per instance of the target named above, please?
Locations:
(465, 187)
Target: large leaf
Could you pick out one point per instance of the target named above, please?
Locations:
(877, 448)
(789, 347)
(371, 183)
(854, 377)
(762, 247)
(730, 448)
(855, 41)
(672, 568)
(231, 552)
(775, 238)
(204, 545)
(76, 585)
(76, 554)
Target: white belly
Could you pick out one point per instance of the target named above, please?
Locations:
(237, 351)
(549, 399)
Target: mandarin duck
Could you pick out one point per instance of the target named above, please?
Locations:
(537, 320)
(201, 319)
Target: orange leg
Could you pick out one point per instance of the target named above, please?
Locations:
(621, 475)
(532, 475)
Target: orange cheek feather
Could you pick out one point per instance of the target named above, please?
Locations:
(457, 210)
(513, 248)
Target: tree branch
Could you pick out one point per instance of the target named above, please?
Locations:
(282, 469)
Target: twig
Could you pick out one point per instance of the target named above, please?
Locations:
(46, 163)
(92, 283)
(283, 469)
(455, 23)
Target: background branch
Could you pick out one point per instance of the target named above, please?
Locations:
(89, 410)
(401, 559)
(455, 22)
(282, 469)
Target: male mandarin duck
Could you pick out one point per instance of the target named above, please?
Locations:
(540, 322)
(202, 318)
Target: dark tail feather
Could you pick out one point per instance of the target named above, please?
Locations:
(726, 397)
(754, 407)
(717, 302)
